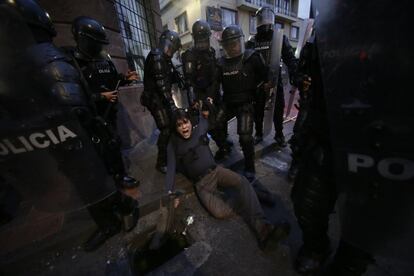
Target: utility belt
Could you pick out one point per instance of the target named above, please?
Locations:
(209, 170)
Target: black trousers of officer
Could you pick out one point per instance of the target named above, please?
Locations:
(162, 119)
(279, 107)
(314, 196)
(244, 114)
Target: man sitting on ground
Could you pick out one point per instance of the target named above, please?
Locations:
(188, 152)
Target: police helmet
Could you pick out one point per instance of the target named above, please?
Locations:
(34, 15)
(232, 41)
(169, 42)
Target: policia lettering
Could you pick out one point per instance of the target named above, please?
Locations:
(391, 168)
(37, 140)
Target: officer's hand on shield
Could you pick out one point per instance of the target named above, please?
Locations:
(110, 96)
(306, 83)
(266, 87)
(132, 76)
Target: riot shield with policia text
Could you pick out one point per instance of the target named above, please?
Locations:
(365, 61)
(46, 156)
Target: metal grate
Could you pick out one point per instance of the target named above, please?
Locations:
(138, 32)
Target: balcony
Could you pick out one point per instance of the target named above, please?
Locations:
(285, 14)
(254, 5)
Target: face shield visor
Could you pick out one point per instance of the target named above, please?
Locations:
(202, 43)
(233, 47)
(265, 17)
(90, 46)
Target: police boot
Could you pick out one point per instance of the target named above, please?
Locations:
(272, 233)
(280, 140)
(249, 168)
(99, 237)
(310, 262)
(349, 261)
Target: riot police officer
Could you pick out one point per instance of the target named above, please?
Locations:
(263, 44)
(240, 73)
(200, 71)
(158, 77)
(100, 80)
(77, 161)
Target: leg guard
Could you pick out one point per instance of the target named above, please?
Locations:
(259, 106)
(245, 130)
(162, 121)
(279, 109)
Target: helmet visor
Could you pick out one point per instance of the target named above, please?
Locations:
(202, 43)
(265, 17)
(233, 47)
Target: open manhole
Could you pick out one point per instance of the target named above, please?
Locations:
(146, 259)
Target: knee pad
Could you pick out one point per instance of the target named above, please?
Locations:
(245, 124)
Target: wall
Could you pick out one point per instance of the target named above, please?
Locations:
(175, 8)
(63, 12)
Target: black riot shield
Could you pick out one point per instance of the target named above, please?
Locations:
(365, 62)
(48, 164)
(274, 68)
(53, 164)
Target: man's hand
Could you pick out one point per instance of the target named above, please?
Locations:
(111, 96)
(132, 75)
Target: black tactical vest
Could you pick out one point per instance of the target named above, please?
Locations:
(238, 79)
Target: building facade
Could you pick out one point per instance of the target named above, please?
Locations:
(179, 15)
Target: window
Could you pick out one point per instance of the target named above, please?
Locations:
(280, 25)
(181, 22)
(137, 30)
(252, 24)
(294, 32)
(228, 17)
(283, 6)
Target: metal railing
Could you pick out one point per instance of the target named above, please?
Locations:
(285, 11)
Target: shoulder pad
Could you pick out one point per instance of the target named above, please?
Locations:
(248, 53)
(61, 70)
(45, 53)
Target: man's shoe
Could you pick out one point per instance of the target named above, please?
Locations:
(280, 141)
(257, 139)
(309, 263)
(272, 232)
(98, 238)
